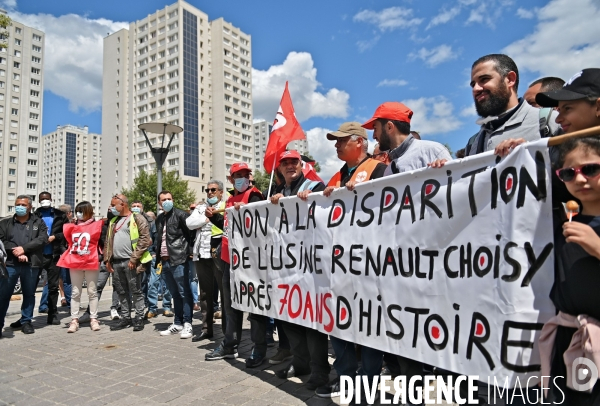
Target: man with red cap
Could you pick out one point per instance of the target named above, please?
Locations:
(308, 347)
(241, 194)
(391, 128)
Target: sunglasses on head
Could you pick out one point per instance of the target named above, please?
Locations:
(587, 170)
(212, 189)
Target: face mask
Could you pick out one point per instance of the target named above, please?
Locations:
(114, 211)
(136, 210)
(79, 215)
(167, 205)
(212, 200)
(46, 203)
(241, 184)
(21, 210)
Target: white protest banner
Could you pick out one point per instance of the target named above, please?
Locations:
(451, 267)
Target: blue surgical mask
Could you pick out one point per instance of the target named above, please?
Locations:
(167, 205)
(114, 211)
(241, 184)
(136, 210)
(21, 210)
(212, 200)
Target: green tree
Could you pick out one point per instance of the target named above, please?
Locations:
(144, 190)
(5, 22)
(261, 179)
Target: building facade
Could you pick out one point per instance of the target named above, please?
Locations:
(72, 167)
(175, 66)
(21, 102)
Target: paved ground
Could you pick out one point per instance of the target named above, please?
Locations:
(125, 368)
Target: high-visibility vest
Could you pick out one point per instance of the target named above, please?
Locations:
(214, 231)
(134, 235)
(361, 174)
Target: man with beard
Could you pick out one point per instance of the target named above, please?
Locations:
(495, 81)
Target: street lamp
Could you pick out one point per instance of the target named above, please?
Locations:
(160, 153)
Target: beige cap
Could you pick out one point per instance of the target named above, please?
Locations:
(348, 129)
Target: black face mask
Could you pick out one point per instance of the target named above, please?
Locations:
(109, 215)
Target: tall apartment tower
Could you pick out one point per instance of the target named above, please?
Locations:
(21, 98)
(175, 66)
(71, 167)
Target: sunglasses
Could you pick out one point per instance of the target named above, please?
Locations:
(587, 170)
(211, 190)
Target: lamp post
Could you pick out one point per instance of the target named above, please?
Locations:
(160, 153)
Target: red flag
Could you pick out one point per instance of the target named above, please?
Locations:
(286, 129)
(308, 170)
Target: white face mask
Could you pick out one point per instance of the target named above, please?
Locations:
(46, 203)
(79, 215)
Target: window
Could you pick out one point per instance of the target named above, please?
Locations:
(17, 41)
(33, 127)
(33, 138)
(35, 82)
(14, 124)
(36, 48)
(13, 136)
(17, 54)
(16, 76)
(31, 185)
(34, 116)
(34, 105)
(12, 172)
(34, 93)
(31, 174)
(13, 147)
(12, 160)
(11, 184)
(17, 30)
(31, 150)
(14, 112)
(32, 162)
(37, 37)
(36, 59)
(16, 88)
(3, 61)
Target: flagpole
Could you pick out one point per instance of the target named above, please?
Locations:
(588, 132)
(271, 181)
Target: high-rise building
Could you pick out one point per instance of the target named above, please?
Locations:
(175, 66)
(21, 98)
(71, 166)
(262, 132)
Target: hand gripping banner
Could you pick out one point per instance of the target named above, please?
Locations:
(451, 266)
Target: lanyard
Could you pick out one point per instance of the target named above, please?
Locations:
(120, 224)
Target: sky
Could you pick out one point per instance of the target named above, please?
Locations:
(342, 58)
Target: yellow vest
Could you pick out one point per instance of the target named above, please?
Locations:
(216, 230)
(134, 235)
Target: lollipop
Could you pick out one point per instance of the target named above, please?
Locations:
(571, 208)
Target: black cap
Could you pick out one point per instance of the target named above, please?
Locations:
(583, 84)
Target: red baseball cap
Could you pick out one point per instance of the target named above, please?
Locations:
(392, 111)
(239, 166)
(293, 154)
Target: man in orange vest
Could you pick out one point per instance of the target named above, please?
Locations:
(351, 146)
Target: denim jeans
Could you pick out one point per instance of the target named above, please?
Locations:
(193, 281)
(66, 278)
(29, 280)
(178, 283)
(154, 286)
(346, 363)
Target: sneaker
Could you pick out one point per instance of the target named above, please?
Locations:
(331, 390)
(73, 326)
(316, 380)
(187, 331)
(44, 311)
(220, 353)
(85, 318)
(281, 356)
(173, 329)
(256, 359)
(94, 325)
(114, 314)
(17, 325)
(28, 328)
(123, 323)
(151, 315)
(168, 313)
(138, 324)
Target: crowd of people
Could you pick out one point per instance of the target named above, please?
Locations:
(177, 246)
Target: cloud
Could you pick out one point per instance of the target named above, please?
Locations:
(433, 115)
(367, 44)
(525, 14)
(564, 40)
(392, 82)
(323, 151)
(468, 111)
(444, 16)
(435, 56)
(298, 68)
(389, 19)
(73, 55)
